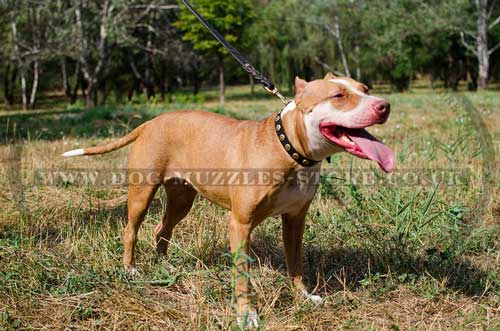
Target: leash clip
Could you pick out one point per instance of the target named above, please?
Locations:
(277, 93)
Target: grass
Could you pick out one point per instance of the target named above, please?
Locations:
(392, 257)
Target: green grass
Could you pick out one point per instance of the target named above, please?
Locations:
(384, 256)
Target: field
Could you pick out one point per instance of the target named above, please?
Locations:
(400, 255)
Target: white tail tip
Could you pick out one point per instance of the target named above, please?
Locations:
(75, 152)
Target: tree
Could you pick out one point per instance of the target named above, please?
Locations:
(9, 72)
(287, 45)
(329, 12)
(482, 50)
(156, 52)
(27, 46)
(93, 24)
(229, 17)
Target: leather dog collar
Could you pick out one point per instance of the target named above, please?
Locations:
(287, 145)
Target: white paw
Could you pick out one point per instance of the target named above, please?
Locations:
(133, 272)
(316, 299)
(248, 319)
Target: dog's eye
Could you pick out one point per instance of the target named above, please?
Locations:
(338, 95)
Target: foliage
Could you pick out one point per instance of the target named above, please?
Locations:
(228, 17)
(130, 47)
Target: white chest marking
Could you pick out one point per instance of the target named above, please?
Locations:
(296, 192)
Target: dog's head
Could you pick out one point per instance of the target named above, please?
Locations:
(336, 112)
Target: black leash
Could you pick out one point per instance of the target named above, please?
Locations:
(257, 76)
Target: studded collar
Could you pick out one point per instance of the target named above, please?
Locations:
(287, 145)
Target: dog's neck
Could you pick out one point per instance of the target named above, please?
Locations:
(303, 132)
(295, 129)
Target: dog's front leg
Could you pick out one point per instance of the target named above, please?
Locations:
(239, 236)
(293, 231)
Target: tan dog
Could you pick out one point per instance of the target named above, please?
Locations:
(327, 116)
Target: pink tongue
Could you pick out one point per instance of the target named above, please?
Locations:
(373, 148)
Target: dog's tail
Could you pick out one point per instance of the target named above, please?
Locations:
(112, 146)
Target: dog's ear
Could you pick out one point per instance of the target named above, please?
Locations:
(329, 76)
(300, 85)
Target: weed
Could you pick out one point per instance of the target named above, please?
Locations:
(385, 256)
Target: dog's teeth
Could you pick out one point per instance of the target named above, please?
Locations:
(346, 139)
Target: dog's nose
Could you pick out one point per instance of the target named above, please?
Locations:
(382, 108)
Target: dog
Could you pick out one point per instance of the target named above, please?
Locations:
(327, 116)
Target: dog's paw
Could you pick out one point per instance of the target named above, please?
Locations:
(248, 320)
(133, 272)
(316, 299)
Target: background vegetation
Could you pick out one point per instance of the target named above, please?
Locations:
(121, 48)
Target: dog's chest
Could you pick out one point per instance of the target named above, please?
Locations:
(293, 195)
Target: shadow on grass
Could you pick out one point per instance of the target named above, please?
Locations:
(50, 234)
(334, 267)
(353, 268)
(100, 122)
(52, 125)
(45, 102)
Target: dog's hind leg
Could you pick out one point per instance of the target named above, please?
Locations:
(139, 199)
(180, 198)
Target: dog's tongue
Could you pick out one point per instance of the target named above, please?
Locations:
(373, 148)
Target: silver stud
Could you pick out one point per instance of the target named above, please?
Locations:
(282, 137)
(295, 156)
(278, 118)
(305, 162)
(288, 147)
(278, 127)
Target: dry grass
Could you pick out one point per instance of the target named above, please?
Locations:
(379, 264)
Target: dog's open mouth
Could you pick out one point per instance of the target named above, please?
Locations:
(360, 143)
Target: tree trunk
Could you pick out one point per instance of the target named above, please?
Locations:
(162, 90)
(148, 75)
(482, 43)
(146, 80)
(135, 88)
(150, 90)
(104, 93)
(78, 79)
(93, 73)
(456, 59)
(91, 99)
(65, 82)
(34, 86)
(21, 65)
(196, 85)
(222, 84)
(196, 80)
(70, 93)
(24, 96)
(7, 101)
(341, 47)
(357, 53)
(9, 84)
(252, 85)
